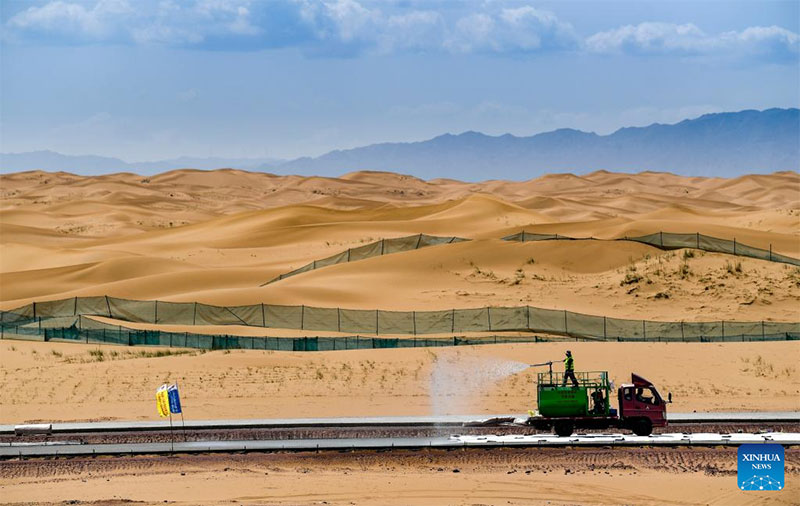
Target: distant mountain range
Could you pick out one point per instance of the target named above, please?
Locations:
(92, 164)
(721, 144)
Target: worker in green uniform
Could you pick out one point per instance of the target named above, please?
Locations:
(569, 370)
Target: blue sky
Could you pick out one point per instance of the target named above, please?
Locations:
(144, 80)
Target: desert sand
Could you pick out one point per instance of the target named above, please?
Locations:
(513, 477)
(215, 237)
(70, 382)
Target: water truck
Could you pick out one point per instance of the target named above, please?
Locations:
(566, 407)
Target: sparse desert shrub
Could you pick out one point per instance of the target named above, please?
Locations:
(530, 261)
(662, 295)
(97, 355)
(57, 354)
(630, 278)
(734, 269)
(684, 271)
(519, 275)
(688, 253)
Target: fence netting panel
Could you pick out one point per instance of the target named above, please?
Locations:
(366, 251)
(176, 313)
(331, 260)
(93, 305)
(508, 318)
(284, 317)
(434, 322)
(143, 311)
(400, 244)
(471, 320)
(320, 318)
(396, 322)
(63, 307)
(585, 325)
(547, 320)
(359, 320)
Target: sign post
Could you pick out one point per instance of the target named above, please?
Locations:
(162, 403)
(175, 405)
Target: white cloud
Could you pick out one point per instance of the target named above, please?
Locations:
(61, 17)
(351, 27)
(668, 38)
(518, 30)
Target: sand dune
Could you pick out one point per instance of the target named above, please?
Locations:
(215, 236)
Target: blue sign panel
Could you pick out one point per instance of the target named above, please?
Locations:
(760, 467)
(174, 399)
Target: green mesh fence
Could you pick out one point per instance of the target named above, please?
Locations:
(87, 330)
(67, 313)
(667, 241)
(378, 248)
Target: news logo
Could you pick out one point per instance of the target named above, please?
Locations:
(760, 467)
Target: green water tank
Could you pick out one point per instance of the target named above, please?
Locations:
(563, 401)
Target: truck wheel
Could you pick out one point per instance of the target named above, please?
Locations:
(563, 429)
(642, 426)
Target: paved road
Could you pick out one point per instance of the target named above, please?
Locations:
(397, 421)
(50, 449)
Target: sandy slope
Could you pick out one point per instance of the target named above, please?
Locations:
(119, 383)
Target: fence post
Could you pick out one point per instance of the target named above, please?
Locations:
(762, 329)
(263, 316)
(661, 236)
(770, 252)
(155, 314)
(108, 306)
(40, 325)
(339, 319)
(453, 320)
(34, 310)
(698, 240)
(414, 321)
(683, 337)
(419, 240)
(489, 317)
(75, 308)
(302, 317)
(566, 330)
(348, 254)
(377, 324)
(605, 335)
(644, 331)
(194, 315)
(734, 246)
(382, 244)
(528, 317)
(723, 330)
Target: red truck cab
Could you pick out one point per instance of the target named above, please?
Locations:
(641, 407)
